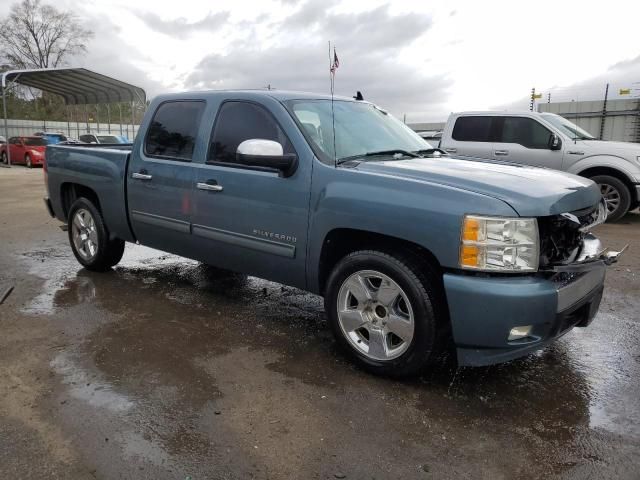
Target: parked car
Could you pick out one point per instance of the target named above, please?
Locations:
(52, 138)
(24, 150)
(411, 252)
(2, 139)
(106, 138)
(549, 140)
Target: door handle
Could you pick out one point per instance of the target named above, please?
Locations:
(141, 176)
(451, 150)
(210, 186)
(501, 152)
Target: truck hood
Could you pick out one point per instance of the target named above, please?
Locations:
(622, 149)
(529, 191)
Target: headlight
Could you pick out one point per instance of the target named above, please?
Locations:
(495, 244)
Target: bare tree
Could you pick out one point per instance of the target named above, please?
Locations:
(36, 35)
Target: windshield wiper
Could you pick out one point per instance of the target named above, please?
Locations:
(431, 151)
(392, 152)
(380, 153)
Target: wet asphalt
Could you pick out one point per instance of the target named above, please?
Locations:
(168, 369)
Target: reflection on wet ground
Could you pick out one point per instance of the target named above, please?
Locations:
(186, 367)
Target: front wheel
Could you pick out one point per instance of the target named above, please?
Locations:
(4, 158)
(616, 195)
(385, 312)
(27, 160)
(89, 237)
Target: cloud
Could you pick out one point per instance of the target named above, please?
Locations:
(110, 55)
(368, 44)
(180, 27)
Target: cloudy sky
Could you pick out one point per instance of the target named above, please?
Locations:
(423, 59)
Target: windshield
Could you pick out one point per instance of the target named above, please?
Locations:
(108, 139)
(360, 128)
(35, 142)
(567, 127)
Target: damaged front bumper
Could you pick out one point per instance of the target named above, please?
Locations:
(484, 309)
(592, 251)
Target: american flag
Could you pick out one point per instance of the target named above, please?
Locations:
(336, 62)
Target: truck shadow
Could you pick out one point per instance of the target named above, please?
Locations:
(170, 317)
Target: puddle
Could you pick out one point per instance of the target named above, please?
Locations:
(86, 387)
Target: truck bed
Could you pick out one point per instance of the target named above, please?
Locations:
(101, 168)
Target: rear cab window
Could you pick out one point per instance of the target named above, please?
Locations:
(173, 130)
(473, 129)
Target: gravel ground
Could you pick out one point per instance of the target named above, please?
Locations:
(166, 369)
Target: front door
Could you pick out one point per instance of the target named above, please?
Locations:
(525, 141)
(160, 177)
(245, 219)
(16, 149)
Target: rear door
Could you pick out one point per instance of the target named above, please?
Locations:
(525, 141)
(253, 221)
(471, 136)
(160, 177)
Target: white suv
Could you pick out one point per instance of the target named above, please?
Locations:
(549, 140)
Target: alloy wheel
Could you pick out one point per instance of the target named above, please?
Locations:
(84, 234)
(611, 197)
(375, 315)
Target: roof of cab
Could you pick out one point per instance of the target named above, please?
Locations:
(280, 95)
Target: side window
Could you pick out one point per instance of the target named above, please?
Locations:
(525, 131)
(472, 129)
(173, 130)
(240, 121)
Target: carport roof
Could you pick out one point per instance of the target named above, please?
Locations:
(76, 85)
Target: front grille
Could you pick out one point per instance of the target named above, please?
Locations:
(561, 235)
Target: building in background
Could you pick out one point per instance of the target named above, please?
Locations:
(619, 121)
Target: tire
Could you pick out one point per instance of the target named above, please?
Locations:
(27, 161)
(89, 237)
(420, 298)
(5, 160)
(616, 194)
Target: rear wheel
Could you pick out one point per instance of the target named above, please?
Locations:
(385, 312)
(5, 160)
(616, 195)
(89, 237)
(27, 161)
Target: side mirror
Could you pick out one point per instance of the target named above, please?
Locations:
(266, 154)
(554, 142)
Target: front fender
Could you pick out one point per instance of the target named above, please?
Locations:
(427, 214)
(615, 162)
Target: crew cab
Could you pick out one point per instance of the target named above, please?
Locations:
(551, 141)
(27, 151)
(414, 251)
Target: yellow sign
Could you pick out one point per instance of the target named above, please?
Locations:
(537, 95)
(624, 91)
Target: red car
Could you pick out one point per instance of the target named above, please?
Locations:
(28, 151)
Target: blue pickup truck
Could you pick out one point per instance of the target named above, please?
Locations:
(413, 250)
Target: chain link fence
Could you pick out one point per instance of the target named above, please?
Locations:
(18, 128)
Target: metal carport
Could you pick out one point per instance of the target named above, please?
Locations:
(77, 86)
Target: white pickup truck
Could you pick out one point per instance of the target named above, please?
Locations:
(551, 141)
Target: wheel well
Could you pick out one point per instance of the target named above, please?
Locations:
(340, 242)
(591, 172)
(70, 192)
